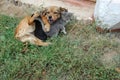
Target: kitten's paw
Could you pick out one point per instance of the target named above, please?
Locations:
(64, 32)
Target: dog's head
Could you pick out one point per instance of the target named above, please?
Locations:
(53, 13)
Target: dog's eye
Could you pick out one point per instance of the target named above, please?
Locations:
(48, 12)
(55, 12)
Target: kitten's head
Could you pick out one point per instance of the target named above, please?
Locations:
(66, 16)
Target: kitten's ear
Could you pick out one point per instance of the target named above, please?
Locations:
(63, 9)
(71, 14)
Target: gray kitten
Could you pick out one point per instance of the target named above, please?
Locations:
(59, 25)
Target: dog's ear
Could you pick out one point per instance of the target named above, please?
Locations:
(44, 11)
(63, 9)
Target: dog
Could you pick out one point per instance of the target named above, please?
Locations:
(25, 30)
(53, 13)
(59, 25)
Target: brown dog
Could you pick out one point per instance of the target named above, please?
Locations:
(24, 31)
(53, 13)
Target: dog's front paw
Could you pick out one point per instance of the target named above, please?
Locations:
(36, 14)
(47, 44)
(47, 28)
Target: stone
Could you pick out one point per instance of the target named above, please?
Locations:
(107, 13)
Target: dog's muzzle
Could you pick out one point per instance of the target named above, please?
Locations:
(50, 19)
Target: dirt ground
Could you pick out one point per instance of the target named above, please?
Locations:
(81, 9)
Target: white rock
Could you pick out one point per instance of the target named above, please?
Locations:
(107, 13)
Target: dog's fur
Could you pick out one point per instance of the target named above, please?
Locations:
(59, 25)
(24, 30)
(53, 13)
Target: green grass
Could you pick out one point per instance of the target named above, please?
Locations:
(75, 56)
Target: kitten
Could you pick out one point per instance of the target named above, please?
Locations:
(59, 25)
(39, 32)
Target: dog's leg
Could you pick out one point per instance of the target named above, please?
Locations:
(117, 69)
(33, 40)
(31, 20)
(40, 42)
(46, 24)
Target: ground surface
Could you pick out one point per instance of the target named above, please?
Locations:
(81, 9)
(82, 54)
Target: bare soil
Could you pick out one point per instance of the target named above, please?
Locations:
(81, 9)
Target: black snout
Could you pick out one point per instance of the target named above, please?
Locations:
(50, 17)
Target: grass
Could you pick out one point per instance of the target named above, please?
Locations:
(78, 55)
